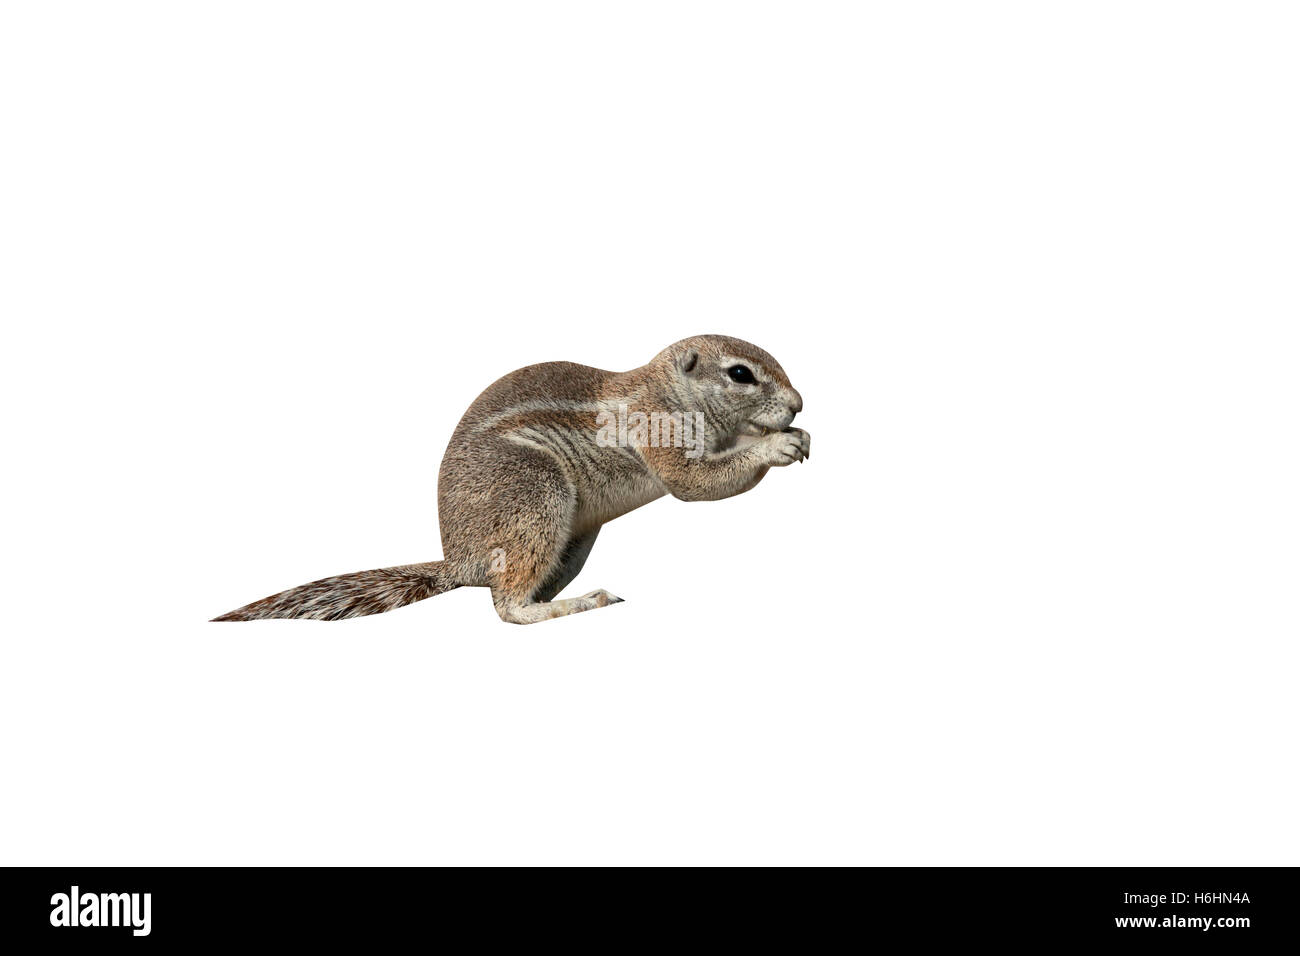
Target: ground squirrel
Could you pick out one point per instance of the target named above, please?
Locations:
(551, 452)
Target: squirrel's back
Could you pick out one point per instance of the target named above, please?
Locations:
(546, 387)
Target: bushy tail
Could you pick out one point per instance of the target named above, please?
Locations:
(352, 595)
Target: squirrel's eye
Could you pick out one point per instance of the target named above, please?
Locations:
(741, 374)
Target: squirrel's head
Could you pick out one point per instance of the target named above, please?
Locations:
(740, 388)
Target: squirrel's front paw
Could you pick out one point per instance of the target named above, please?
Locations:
(786, 447)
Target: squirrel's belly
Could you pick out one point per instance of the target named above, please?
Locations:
(599, 503)
(610, 482)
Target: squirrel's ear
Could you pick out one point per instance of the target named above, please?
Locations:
(688, 360)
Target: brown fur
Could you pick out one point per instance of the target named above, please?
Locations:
(525, 485)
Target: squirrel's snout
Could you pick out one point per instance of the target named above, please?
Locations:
(795, 402)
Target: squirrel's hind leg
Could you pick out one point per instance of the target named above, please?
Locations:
(516, 518)
(520, 599)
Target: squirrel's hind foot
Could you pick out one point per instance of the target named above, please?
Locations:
(545, 610)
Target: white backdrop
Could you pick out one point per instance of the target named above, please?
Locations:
(1033, 268)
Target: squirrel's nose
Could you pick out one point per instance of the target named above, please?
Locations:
(796, 402)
